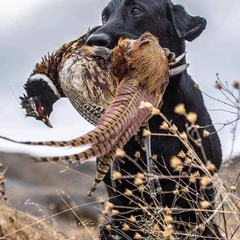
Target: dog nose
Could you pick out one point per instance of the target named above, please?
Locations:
(99, 39)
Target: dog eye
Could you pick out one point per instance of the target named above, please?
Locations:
(136, 11)
(104, 18)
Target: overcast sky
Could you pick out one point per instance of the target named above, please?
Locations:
(31, 28)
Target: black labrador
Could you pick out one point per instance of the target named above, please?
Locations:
(172, 25)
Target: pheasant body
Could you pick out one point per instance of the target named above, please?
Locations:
(86, 81)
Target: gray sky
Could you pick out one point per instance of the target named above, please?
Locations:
(31, 28)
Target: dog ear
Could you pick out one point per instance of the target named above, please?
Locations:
(187, 26)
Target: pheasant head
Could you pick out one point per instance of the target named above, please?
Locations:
(41, 95)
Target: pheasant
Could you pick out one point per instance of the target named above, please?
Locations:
(137, 71)
(68, 72)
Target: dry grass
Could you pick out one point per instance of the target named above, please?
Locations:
(157, 220)
(17, 225)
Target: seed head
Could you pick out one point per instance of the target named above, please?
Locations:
(132, 219)
(155, 111)
(140, 175)
(2, 179)
(154, 157)
(176, 192)
(128, 193)
(204, 204)
(210, 166)
(190, 153)
(197, 174)
(105, 212)
(108, 227)
(116, 175)
(196, 85)
(120, 153)
(137, 236)
(144, 209)
(179, 168)
(174, 128)
(205, 181)
(175, 161)
(205, 133)
(188, 161)
(234, 188)
(186, 189)
(181, 154)
(218, 85)
(145, 105)
(164, 126)
(191, 117)
(183, 136)
(114, 212)
(167, 211)
(236, 85)
(137, 154)
(138, 181)
(168, 231)
(180, 109)
(5, 198)
(146, 133)
(168, 219)
(109, 206)
(141, 188)
(156, 228)
(202, 227)
(125, 227)
(192, 178)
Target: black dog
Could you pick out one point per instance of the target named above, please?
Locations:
(172, 25)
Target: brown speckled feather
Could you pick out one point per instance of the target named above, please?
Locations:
(52, 64)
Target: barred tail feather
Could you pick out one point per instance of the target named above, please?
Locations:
(102, 169)
(98, 151)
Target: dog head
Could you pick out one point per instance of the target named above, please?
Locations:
(131, 18)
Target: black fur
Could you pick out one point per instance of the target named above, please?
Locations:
(172, 25)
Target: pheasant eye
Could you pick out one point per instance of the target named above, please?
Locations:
(41, 110)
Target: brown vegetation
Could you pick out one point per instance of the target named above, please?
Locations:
(39, 181)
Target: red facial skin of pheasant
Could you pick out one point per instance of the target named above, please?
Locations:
(140, 69)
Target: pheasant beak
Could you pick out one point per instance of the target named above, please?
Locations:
(47, 122)
(31, 110)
